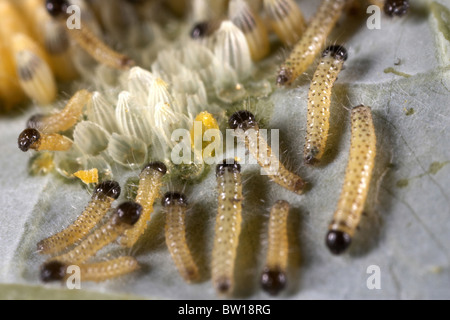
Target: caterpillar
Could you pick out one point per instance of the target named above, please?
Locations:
(273, 278)
(104, 195)
(228, 226)
(96, 272)
(306, 50)
(150, 181)
(357, 181)
(175, 206)
(124, 217)
(33, 139)
(247, 129)
(319, 99)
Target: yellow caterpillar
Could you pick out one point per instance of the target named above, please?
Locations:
(357, 181)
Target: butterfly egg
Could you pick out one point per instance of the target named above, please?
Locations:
(42, 163)
(231, 49)
(10, 91)
(319, 100)
(241, 14)
(12, 21)
(104, 195)
(34, 73)
(35, 140)
(101, 111)
(88, 40)
(228, 226)
(124, 217)
(286, 20)
(396, 7)
(312, 41)
(273, 278)
(132, 118)
(203, 122)
(150, 182)
(203, 10)
(139, 82)
(64, 119)
(175, 207)
(247, 130)
(97, 272)
(357, 181)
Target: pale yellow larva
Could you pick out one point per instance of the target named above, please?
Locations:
(273, 278)
(357, 181)
(125, 216)
(87, 40)
(175, 207)
(150, 182)
(228, 226)
(246, 128)
(319, 100)
(286, 19)
(96, 272)
(64, 119)
(312, 41)
(104, 195)
(33, 139)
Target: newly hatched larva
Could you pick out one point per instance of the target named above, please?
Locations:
(357, 180)
(273, 278)
(33, 139)
(104, 195)
(35, 75)
(150, 182)
(319, 99)
(312, 41)
(286, 19)
(97, 272)
(175, 207)
(87, 40)
(124, 217)
(241, 14)
(65, 119)
(247, 129)
(228, 226)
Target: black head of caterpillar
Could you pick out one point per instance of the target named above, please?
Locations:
(273, 281)
(27, 138)
(396, 7)
(107, 188)
(128, 213)
(53, 271)
(233, 166)
(338, 241)
(57, 8)
(336, 51)
(157, 166)
(174, 198)
(200, 30)
(243, 120)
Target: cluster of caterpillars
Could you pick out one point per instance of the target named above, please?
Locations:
(100, 224)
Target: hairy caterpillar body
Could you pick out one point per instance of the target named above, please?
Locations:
(175, 206)
(246, 128)
(104, 195)
(273, 278)
(228, 226)
(125, 216)
(357, 181)
(319, 99)
(33, 139)
(150, 181)
(312, 41)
